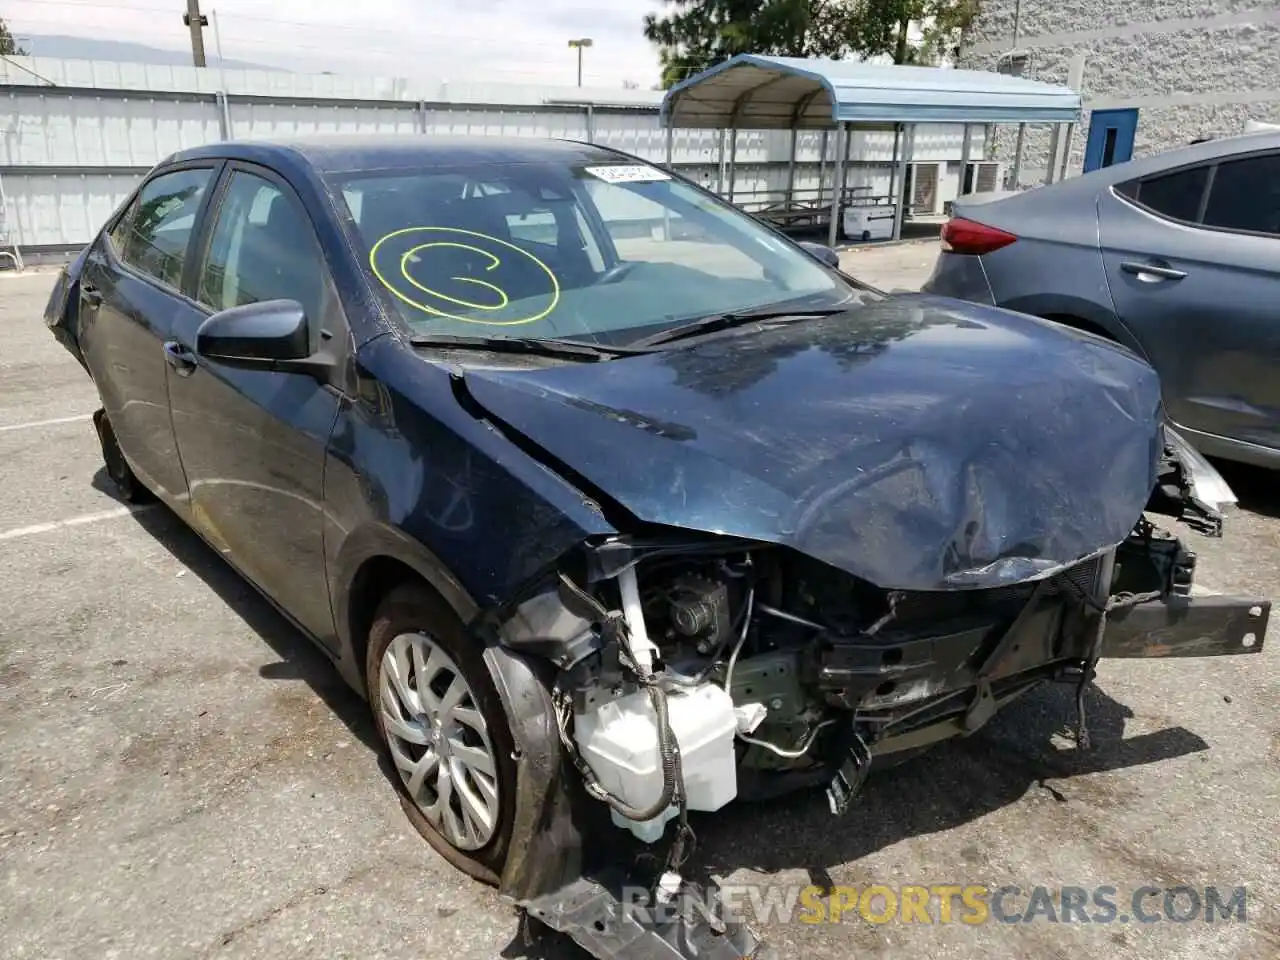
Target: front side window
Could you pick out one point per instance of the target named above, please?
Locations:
(262, 247)
(1246, 195)
(154, 235)
(607, 251)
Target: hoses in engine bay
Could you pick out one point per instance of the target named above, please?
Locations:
(616, 625)
(811, 737)
(750, 607)
(795, 753)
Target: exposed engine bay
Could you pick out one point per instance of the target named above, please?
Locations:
(694, 670)
(776, 671)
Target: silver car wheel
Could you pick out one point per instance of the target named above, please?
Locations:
(439, 740)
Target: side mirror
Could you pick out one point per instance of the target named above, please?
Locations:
(822, 252)
(257, 336)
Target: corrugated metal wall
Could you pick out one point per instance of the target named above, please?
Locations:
(75, 136)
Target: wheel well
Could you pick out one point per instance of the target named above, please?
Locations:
(1067, 320)
(376, 577)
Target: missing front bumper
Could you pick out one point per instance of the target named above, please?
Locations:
(975, 671)
(605, 918)
(1187, 626)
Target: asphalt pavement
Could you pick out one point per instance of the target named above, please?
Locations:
(183, 776)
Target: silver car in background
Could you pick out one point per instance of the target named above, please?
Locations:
(1175, 256)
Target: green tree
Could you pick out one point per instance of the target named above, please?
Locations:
(696, 34)
(8, 46)
(884, 28)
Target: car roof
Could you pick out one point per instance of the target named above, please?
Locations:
(353, 153)
(1058, 198)
(1217, 149)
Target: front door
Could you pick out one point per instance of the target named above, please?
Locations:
(1192, 259)
(253, 442)
(130, 300)
(1111, 134)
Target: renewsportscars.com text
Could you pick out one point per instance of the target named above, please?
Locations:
(968, 904)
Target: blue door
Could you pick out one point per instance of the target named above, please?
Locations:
(1110, 137)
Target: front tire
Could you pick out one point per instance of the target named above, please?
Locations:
(442, 722)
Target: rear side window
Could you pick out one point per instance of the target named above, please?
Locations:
(154, 235)
(1175, 195)
(1246, 196)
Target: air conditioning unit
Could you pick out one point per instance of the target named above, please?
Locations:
(985, 176)
(923, 180)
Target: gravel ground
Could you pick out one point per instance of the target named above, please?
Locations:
(182, 775)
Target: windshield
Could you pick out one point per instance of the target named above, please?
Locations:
(601, 252)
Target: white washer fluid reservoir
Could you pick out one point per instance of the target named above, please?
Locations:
(619, 741)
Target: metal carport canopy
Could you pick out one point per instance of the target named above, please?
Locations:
(753, 92)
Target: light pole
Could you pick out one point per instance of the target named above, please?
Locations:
(580, 44)
(196, 22)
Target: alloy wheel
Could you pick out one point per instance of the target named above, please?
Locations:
(439, 741)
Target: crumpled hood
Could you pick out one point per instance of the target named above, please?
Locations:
(919, 443)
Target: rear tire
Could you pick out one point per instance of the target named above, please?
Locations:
(452, 750)
(127, 485)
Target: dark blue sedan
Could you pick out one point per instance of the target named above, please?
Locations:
(613, 500)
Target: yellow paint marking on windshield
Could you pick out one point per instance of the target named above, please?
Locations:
(495, 263)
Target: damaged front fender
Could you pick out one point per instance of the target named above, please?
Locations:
(546, 850)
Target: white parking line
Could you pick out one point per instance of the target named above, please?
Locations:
(19, 532)
(46, 423)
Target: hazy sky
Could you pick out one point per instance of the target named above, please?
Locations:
(509, 41)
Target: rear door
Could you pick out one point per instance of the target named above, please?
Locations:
(1192, 258)
(131, 299)
(253, 442)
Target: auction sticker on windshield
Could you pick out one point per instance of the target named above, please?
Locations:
(628, 173)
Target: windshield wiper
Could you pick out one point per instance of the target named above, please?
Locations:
(545, 347)
(724, 321)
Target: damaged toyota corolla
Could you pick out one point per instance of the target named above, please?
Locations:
(617, 504)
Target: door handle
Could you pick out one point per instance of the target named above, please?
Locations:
(1151, 272)
(180, 358)
(90, 294)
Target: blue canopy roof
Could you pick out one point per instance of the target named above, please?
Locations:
(752, 92)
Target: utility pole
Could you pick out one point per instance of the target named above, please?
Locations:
(581, 44)
(196, 23)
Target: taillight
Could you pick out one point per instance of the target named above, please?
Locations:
(967, 236)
